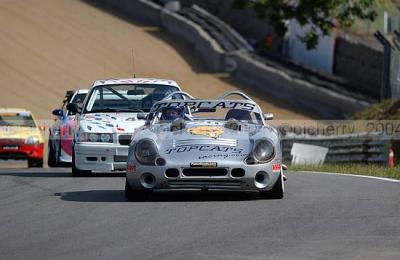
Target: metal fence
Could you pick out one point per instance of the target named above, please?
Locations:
(371, 148)
(395, 66)
(390, 87)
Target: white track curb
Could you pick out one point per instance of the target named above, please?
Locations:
(353, 175)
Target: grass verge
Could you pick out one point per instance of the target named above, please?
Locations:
(356, 169)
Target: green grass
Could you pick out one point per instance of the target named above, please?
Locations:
(356, 169)
(385, 110)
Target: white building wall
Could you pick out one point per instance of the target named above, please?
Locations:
(321, 58)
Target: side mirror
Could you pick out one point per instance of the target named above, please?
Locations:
(268, 116)
(73, 107)
(58, 112)
(141, 116)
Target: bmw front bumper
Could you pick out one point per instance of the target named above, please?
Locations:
(100, 157)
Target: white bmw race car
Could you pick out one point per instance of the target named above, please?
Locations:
(108, 119)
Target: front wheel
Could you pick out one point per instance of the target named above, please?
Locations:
(75, 171)
(135, 195)
(276, 192)
(35, 163)
(51, 158)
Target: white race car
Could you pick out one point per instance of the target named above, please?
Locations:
(108, 119)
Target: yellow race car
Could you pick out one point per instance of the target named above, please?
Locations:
(20, 137)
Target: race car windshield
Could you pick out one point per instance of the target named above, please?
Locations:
(200, 111)
(78, 99)
(16, 120)
(126, 98)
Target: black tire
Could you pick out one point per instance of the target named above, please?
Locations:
(35, 163)
(51, 156)
(277, 192)
(135, 195)
(75, 171)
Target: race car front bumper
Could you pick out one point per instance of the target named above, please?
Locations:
(100, 157)
(15, 151)
(225, 177)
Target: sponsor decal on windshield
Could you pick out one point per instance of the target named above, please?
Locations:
(204, 104)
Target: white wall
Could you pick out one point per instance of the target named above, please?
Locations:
(320, 59)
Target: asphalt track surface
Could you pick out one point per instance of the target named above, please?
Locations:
(47, 214)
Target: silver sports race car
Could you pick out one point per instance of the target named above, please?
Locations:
(192, 144)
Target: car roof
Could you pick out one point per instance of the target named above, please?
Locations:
(167, 82)
(82, 91)
(14, 110)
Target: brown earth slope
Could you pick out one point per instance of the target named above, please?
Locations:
(50, 46)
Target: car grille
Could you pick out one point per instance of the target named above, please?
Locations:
(204, 172)
(201, 184)
(124, 139)
(120, 158)
(11, 155)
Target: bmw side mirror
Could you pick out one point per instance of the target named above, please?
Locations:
(141, 116)
(58, 112)
(73, 107)
(268, 116)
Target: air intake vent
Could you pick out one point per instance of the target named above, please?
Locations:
(238, 173)
(172, 173)
(124, 139)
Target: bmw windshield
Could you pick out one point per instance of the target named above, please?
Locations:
(126, 97)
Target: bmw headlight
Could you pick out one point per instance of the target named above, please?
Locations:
(95, 138)
(106, 138)
(146, 152)
(263, 151)
(32, 140)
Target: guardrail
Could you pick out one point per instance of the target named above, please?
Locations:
(353, 148)
(204, 45)
(224, 34)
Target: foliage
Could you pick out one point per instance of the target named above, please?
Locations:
(385, 110)
(321, 16)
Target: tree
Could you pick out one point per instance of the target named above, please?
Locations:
(320, 15)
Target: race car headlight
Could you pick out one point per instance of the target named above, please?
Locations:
(263, 151)
(146, 152)
(106, 138)
(32, 140)
(95, 138)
